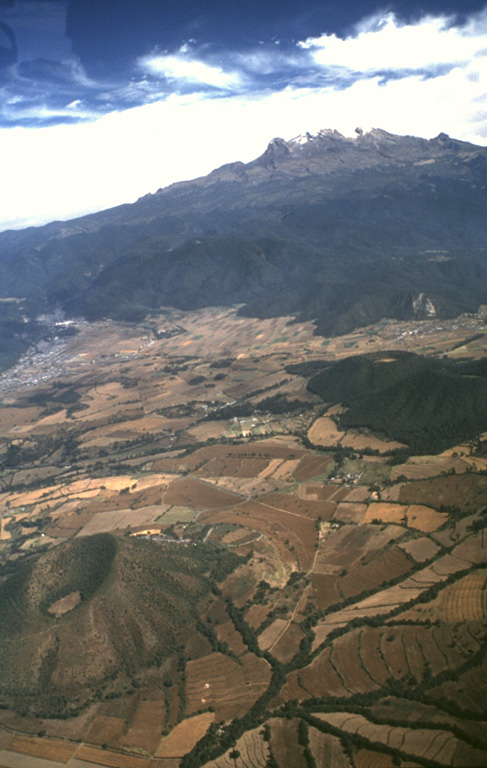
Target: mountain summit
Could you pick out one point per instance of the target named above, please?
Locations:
(343, 231)
(328, 150)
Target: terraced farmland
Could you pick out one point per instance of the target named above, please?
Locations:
(263, 600)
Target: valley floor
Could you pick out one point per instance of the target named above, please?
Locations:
(351, 629)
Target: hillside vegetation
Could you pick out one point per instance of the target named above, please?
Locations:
(137, 601)
(427, 403)
(339, 231)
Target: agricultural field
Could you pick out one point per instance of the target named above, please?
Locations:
(201, 566)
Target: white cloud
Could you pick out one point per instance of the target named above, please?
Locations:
(66, 170)
(189, 70)
(384, 43)
(23, 109)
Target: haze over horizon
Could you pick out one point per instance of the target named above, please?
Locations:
(99, 107)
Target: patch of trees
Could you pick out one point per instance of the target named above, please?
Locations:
(248, 634)
(353, 741)
(279, 404)
(217, 646)
(427, 403)
(223, 562)
(303, 739)
(308, 369)
(239, 410)
(84, 565)
(223, 363)
(181, 668)
(177, 411)
(18, 455)
(260, 595)
(426, 596)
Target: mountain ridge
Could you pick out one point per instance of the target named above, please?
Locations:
(342, 231)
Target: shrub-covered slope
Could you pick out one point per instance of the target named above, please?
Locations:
(342, 231)
(134, 602)
(428, 404)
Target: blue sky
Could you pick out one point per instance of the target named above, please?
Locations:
(102, 102)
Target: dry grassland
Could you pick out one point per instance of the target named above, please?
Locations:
(421, 549)
(393, 652)
(5, 738)
(345, 546)
(463, 601)
(106, 401)
(135, 499)
(47, 749)
(294, 505)
(379, 604)
(325, 432)
(268, 637)
(372, 655)
(320, 678)
(422, 467)
(462, 491)
(254, 753)
(365, 758)
(330, 492)
(227, 633)
(325, 588)
(310, 491)
(110, 759)
(4, 534)
(256, 614)
(33, 475)
(185, 735)
(429, 744)
(230, 333)
(424, 518)
(146, 726)
(212, 430)
(106, 730)
(119, 519)
(347, 661)
(472, 550)
(13, 420)
(312, 466)
(386, 513)
(130, 429)
(187, 492)
(65, 604)
(80, 489)
(235, 537)
(217, 680)
(179, 515)
(234, 467)
(223, 459)
(292, 689)
(16, 760)
(280, 527)
(350, 512)
(359, 441)
(328, 751)
(287, 644)
(284, 743)
(67, 525)
(417, 516)
(246, 486)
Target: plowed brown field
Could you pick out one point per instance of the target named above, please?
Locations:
(187, 492)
